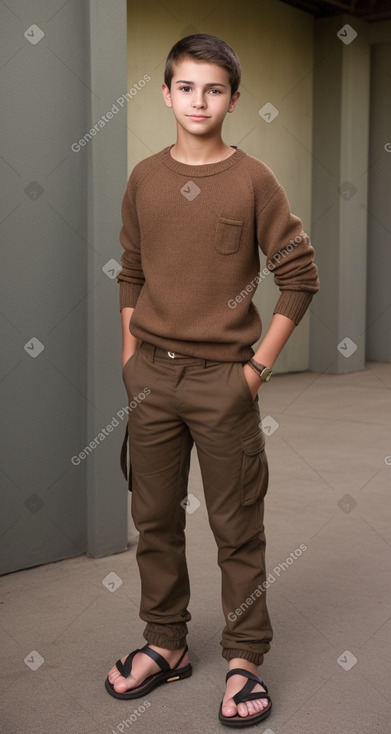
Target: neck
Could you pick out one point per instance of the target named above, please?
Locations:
(198, 150)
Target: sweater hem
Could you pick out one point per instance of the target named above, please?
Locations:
(211, 351)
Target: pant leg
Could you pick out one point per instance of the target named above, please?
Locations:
(159, 449)
(224, 422)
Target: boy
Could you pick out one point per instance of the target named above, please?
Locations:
(194, 216)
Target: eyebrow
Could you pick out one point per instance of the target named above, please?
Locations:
(184, 81)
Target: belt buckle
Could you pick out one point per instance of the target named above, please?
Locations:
(171, 354)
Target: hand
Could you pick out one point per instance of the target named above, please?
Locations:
(253, 380)
(125, 357)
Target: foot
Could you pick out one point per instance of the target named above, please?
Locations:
(234, 684)
(143, 666)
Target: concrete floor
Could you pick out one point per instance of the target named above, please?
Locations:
(328, 667)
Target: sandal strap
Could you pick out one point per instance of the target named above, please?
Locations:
(181, 657)
(160, 660)
(163, 664)
(247, 674)
(245, 693)
(126, 667)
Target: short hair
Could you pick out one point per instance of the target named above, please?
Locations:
(203, 47)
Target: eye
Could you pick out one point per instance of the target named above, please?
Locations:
(215, 90)
(184, 89)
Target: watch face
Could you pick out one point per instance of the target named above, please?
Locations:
(266, 374)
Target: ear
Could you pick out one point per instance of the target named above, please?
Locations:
(234, 101)
(166, 95)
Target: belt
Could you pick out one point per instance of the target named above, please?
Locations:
(174, 357)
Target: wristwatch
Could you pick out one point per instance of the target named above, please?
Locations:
(262, 371)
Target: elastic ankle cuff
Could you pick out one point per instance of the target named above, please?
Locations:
(160, 641)
(251, 657)
(169, 636)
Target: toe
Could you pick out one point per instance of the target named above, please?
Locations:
(252, 708)
(121, 685)
(113, 674)
(117, 680)
(243, 710)
(229, 707)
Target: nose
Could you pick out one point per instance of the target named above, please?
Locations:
(199, 100)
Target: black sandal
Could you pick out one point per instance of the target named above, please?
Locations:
(245, 695)
(166, 675)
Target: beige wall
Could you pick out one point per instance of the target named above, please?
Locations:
(274, 44)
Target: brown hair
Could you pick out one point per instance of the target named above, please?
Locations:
(203, 47)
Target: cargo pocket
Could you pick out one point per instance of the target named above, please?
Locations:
(228, 234)
(255, 471)
(126, 470)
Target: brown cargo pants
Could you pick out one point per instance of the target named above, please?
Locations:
(176, 401)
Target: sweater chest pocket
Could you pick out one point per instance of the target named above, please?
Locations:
(228, 234)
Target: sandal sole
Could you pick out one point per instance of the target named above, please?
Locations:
(244, 721)
(150, 683)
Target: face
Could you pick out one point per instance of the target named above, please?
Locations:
(200, 96)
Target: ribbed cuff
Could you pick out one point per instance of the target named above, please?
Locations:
(169, 636)
(128, 294)
(293, 304)
(251, 657)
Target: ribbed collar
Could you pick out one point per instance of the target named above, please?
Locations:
(207, 169)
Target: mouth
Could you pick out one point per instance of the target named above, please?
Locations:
(198, 117)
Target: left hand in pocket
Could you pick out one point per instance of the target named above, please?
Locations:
(253, 380)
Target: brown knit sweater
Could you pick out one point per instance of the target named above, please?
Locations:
(191, 262)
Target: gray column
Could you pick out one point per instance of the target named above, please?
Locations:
(62, 68)
(379, 209)
(339, 193)
(107, 177)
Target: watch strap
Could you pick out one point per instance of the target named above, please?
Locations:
(260, 369)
